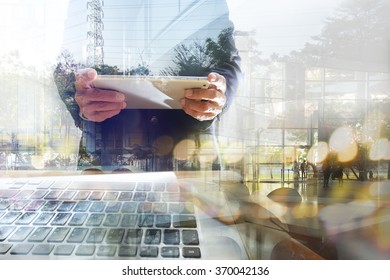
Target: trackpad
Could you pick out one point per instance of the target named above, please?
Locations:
(223, 248)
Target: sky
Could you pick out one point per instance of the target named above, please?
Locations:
(281, 25)
(34, 27)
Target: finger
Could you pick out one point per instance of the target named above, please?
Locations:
(199, 115)
(84, 77)
(95, 107)
(98, 95)
(217, 81)
(101, 115)
(202, 107)
(213, 95)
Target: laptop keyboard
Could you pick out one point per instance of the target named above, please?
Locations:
(81, 219)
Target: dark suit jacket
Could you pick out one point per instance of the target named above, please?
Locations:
(147, 138)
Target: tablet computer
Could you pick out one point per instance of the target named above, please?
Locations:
(151, 92)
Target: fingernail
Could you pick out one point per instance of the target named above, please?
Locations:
(188, 92)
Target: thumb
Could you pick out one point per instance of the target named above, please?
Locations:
(85, 76)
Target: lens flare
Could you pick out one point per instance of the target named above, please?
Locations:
(318, 152)
(380, 150)
(348, 153)
(207, 152)
(341, 139)
(184, 150)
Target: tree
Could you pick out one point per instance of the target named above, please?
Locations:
(199, 58)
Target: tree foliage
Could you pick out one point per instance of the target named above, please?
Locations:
(199, 58)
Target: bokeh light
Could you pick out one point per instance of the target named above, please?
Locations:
(341, 139)
(318, 152)
(184, 150)
(380, 150)
(349, 153)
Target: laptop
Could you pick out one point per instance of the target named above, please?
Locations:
(112, 216)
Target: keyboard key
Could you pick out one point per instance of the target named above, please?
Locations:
(4, 248)
(43, 249)
(111, 195)
(96, 195)
(26, 218)
(144, 207)
(112, 220)
(129, 207)
(129, 220)
(66, 206)
(78, 219)
(160, 208)
(149, 252)
(64, 250)
(127, 251)
(67, 195)
(20, 234)
(144, 186)
(154, 197)
(51, 205)
(4, 204)
(139, 196)
(39, 234)
(115, 236)
(19, 205)
(9, 218)
(96, 235)
(24, 194)
(191, 252)
(82, 206)
(53, 195)
(125, 196)
(43, 219)
(184, 221)
(171, 237)
(106, 251)
(39, 194)
(113, 207)
(81, 195)
(77, 235)
(5, 231)
(21, 249)
(95, 220)
(170, 252)
(97, 206)
(35, 205)
(85, 250)
(61, 219)
(190, 237)
(152, 236)
(134, 236)
(146, 220)
(163, 221)
(59, 234)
